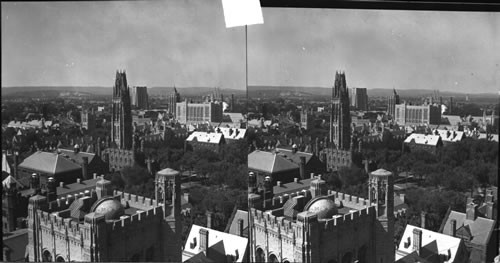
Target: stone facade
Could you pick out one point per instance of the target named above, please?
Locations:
(340, 118)
(121, 126)
(319, 225)
(101, 225)
(335, 159)
(118, 158)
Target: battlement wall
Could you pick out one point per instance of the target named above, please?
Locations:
(286, 227)
(136, 201)
(61, 225)
(272, 219)
(139, 218)
(352, 201)
(62, 203)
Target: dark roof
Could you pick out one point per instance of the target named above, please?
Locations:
(16, 241)
(77, 157)
(292, 187)
(294, 157)
(480, 229)
(269, 162)
(77, 187)
(240, 214)
(50, 163)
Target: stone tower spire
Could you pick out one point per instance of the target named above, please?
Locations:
(340, 118)
(121, 129)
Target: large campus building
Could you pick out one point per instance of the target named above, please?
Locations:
(417, 114)
(139, 97)
(193, 113)
(359, 98)
(106, 225)
(319, 225)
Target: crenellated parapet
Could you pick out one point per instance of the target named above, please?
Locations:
(136, 201)
(140, 218)
(354, 217)
(64, 227)
(352, 201)
(64, 202)
(272, 221)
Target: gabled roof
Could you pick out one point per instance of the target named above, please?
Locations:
(232, 133)
(234, 227)
(433, 244)
(294, 157)
(50, 163)
(11, 180)
(269, 162)
(5, 164)
(77, 157)
(423, 139)
(450, 136)
(212, 137)
(219, 244)
(480, 229)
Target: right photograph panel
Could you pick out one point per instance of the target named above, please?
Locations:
(373, 136)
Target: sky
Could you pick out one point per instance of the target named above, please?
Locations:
(186, 43)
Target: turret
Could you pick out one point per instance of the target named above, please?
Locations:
(51, 189)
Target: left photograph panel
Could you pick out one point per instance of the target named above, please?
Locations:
(123, 132)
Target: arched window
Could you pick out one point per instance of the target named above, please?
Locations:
(46, 256)
(60, 259)
(273, 259)
(259, 255)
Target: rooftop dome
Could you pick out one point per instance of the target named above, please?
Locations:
(323, 207)
(109, 207)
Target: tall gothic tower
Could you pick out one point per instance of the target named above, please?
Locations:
(392, 102)
(121, 129)
(340, 118)
(381, 193)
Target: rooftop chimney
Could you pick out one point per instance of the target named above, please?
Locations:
(240, 227)
(453, 227)
(417, 240)
(204, 240)
(490, 210)
(471, 209)
(302, 167)
(209, 219)
(423, 215)
(85, 167)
